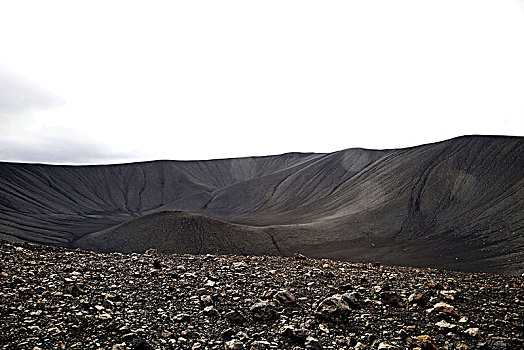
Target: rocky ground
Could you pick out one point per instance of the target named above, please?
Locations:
(71, 299)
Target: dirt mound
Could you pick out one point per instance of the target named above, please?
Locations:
(176, 232)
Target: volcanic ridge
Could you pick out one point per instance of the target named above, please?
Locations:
(455, 204)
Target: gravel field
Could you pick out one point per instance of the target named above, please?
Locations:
(54, 298)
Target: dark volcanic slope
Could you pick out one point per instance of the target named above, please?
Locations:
(58, 204)
(454, 204)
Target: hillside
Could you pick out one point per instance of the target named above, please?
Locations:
(455, 204)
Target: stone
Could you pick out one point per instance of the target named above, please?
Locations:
(420, 299)
(443, 307)
(262, 311)
(313, 343)
(424, 342)
(391, 298)
(295, 335)
(260, 345)
(473, 332)
(333, 308)
(157, 264)
(352, 299)
(234, 345)
(211, 311)
(299, 256)
(448, 294)
(74, 289)
(140, 344)
(206, 299)
(235, 316)
(445, 325)
(183, 318)
(228, 334)
(285, 297)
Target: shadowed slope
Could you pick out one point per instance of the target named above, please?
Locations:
(176, 232)
(58, 204)
(454, 204)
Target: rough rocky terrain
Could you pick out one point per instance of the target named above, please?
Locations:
(455, 204)
(55, 298)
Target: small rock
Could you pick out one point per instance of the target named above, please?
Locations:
(443, 307)
(74, 289)
(210, 283)
(260, 345)
(206, 299)
(360, 346)
(156, 264)
(448, 294)
(183, 318)
(474, 332)
(294, 335)
(418, 298)
(140, 344)
(151, 251)
(234, 345)
(211, 311)
(445, 325)
(241, 336)
(227, 334)
(285, 297)
(352, 299)
(424, 342)
(235, 316)
(391, 298)
(313, 344)
(262, 311)
(333, 308)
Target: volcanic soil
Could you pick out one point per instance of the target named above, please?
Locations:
(55, 298)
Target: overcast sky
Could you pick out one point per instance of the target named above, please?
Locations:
(113, 81)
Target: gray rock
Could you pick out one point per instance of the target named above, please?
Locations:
(333, 308)
(262, 311)
(352, 299)
(391, 298)
(234, 345)
(313, 344)
(235, 316)
(285, 297)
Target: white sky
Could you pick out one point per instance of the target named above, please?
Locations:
(111, 81)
